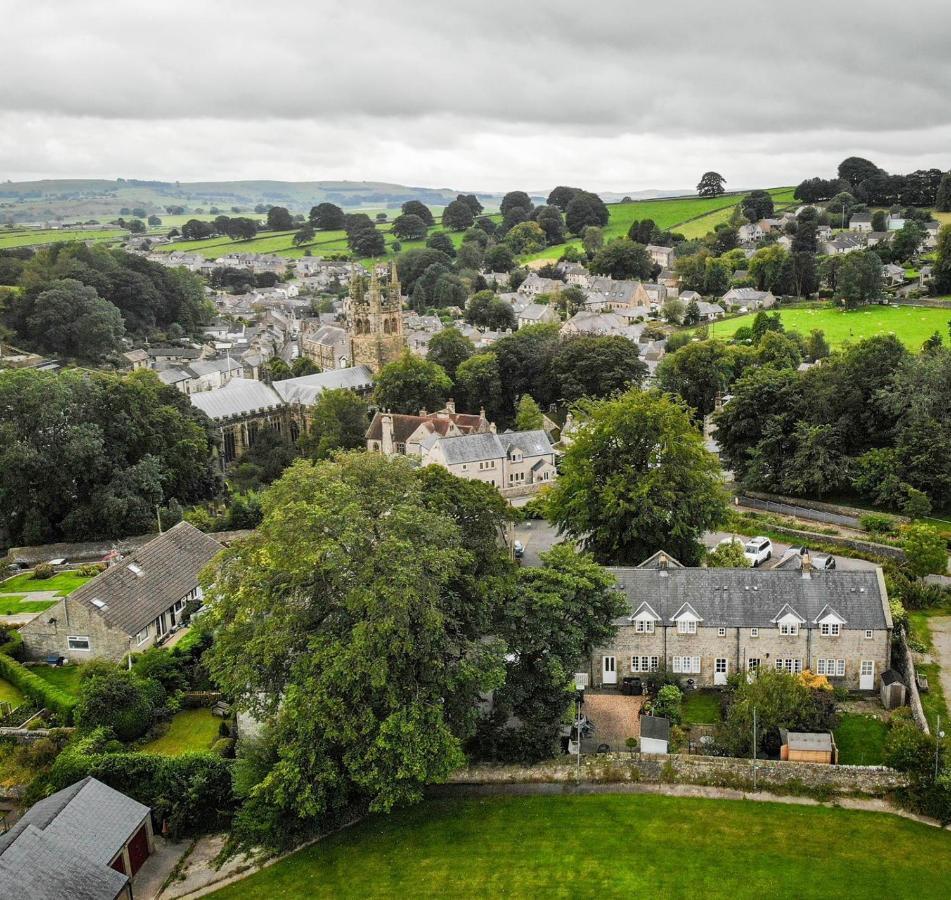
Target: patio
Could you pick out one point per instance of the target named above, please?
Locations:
(616, 717)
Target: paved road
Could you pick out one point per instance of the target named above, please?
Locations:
(537, 536)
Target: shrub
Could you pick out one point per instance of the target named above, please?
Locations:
(166, 668)
(36, 688)
(908, 749)
(192, 792)
(11, 643)
(877, 523)
(42, 571)
(224, 747)
(115, 698)
(926, 552)
(668, 703)
(91, 570)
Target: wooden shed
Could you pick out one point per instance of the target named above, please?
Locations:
(813, 747)
(893, 690)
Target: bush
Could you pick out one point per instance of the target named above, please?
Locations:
(43, 571)
(909, 749)
(36, 688)
(877, 523)
(166, 668)
(91, 570)
(115, 698)
(192, 792)
(11, 643)
(223, 747)
(668, 703)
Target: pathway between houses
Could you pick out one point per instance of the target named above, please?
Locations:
(941, 638)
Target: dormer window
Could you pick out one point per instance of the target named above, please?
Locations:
(687, 626)
(644, 626)
(789, 628)
(829, 629)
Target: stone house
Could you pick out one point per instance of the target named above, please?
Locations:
(845, 243)
(516, 462)
(536, 314)
(749, 297)
(706, 624)
(861, 222)
(397, 434)
(662, 256)
(534, 285)
(326, 345)
(130, 606)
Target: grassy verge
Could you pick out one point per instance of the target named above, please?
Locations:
(613, 846)
(23, 606)
(934, 702)
(860, 739)
(191, 729)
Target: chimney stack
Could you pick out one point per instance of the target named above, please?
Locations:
(806, 565)
(386, 422)
(451, 406)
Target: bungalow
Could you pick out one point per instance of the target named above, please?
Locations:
(873, 238)
(749, 297)
(894, 274)
(536, 314)
(709, 312)
(86, 840)
(861, 222)
(130, 606)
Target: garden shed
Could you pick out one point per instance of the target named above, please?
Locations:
(805, 746)
(893, 690)
(655, 734)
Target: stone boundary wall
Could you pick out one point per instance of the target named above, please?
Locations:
(30, 735)
(908, 675)
(713, 771)
(524, 490)
(838, 508)
(812, 537)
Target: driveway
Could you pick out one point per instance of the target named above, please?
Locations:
(536, 536)
(616, 718)
(845, 563)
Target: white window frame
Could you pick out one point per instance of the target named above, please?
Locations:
(686, 665)
(789, 665)
(645, 663)
(72, 639)
(789, 629)
(721, 632)
(754, 632)
(143, 635)
(868, 634)
(829, 629)
(752, 664)
(644, 626)
(686, 626)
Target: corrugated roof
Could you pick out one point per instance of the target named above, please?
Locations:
(751, 598)
(169, 565)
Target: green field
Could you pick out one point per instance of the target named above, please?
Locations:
(860, 739)
(63, 583)
(28, 237)
(911, 324)
(615, 846)
(191, 729)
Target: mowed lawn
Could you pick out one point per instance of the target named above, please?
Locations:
(66, 678)
(860, 739)
(63, 583)
(614, 845)
(911, 324)
(10, 693)
(191, 729)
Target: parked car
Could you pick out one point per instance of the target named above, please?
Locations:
(818, 562)
(518, 549)
(758, 550)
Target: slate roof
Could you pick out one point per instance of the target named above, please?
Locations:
(752, 598)
(63, 845)
(308, 388)
(239, 397)
(169, 565)
(438, 423)
(471, 448)
(531, 443)
(656, 727)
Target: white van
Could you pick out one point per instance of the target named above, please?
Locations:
(758, 550)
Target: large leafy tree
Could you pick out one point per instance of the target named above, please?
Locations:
(71, 318)
(637, 479)
(409, 227)
(327, 217)
(585, 209)
(338, 421)
(457, 216)
(698, 373)
(489, 311)
(525, 365)
(859, 278)
(622, 259)
(596, 366)
(353, 622)
(711, 184)
(418, 208)
(87, 455)
(279, 219)
(410, 384)
(942, 265)
(479, 384)
(449, 348)
(557, 614)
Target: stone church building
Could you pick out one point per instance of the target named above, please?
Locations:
(374, 321)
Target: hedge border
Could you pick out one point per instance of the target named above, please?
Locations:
(37, 688)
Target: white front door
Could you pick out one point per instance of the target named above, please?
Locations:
(720, 672)
(608, 670)
(867, 675)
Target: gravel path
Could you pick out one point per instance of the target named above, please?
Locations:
(941, 637)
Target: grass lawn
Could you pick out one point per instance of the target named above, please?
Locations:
(934, 701)
(912, 324)
(614, 846)
(63, 583)
(10, 606)
(66, 678)
(860, 739)
(701, 707)
(191, 729)
(10, 693)
(29, 237)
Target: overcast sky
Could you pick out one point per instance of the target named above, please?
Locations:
(610, 95)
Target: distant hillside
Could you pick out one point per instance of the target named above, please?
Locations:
(82, 199)
(40, 201)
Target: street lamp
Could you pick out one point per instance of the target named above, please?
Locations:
(939, 736)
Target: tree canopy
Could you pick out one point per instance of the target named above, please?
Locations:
(711, 184)
(637, 479)
(410, 384)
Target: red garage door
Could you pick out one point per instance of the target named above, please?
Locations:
(138, 849)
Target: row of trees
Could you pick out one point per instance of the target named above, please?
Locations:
(874, 186)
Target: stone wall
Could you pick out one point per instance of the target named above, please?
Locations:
(30, 735)
(705, 770)
(905, 664)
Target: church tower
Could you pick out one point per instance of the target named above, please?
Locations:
(375, 321)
